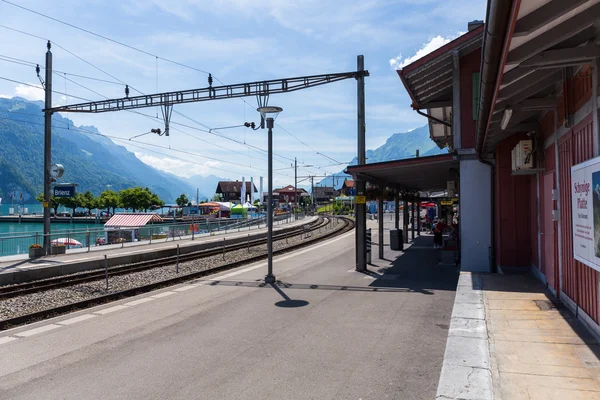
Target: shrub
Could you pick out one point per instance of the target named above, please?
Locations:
(35, 246)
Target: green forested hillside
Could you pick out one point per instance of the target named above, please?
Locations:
(93, 162)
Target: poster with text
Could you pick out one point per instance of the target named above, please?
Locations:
(585, 195)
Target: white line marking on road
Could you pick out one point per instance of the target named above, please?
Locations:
(293, 254)
(110, 309)
(35, 331)
(184, 288)
(76, 319)
(7, 339)
(139, 301)
(163, 294)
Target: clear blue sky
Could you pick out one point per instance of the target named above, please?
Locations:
(238, 41)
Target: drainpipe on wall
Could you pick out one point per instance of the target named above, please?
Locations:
(491, 68)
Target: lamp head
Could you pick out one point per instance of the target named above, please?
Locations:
(269, 112)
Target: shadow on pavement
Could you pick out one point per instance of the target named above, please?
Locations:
(279, 285)
(417, 268)
(287, 302)
(30, 261)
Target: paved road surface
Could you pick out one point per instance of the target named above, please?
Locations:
(336, 337)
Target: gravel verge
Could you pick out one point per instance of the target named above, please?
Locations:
(34, 302)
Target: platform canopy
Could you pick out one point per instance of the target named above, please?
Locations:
(549, 42)
(131, 220)
(424, 174)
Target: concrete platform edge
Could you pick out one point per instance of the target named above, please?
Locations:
(466, 371)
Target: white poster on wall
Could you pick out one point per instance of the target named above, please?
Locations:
(585, 203)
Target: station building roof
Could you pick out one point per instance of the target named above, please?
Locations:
(425, 174)
(131, 220)
(429, 81)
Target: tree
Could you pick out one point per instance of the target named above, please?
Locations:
(182, 200)
(143, 198)
(216, 197)
(127, 199)
(88, 201)
(72, 202)
(138, 198)
(54, 200)
(108, 199)
(156, 201)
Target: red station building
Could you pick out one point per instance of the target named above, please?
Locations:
(526, 82)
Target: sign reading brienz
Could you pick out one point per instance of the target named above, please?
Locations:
(585, 203)
(63, 191)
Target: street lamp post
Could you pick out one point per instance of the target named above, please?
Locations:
(269, 113)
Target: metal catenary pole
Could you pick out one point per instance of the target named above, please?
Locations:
(361, 218)
(47, 148)
(295, 186)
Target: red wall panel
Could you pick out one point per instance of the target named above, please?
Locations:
(580, 282)
(513, 209)
(547, 124)
(580, 88)
(533, 215)
(469, 64)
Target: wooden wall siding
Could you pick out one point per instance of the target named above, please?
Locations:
(533, 226)
(580, 87)
(550, 167)
(513, 211)
(580, 282)
(550, 164)
(560, 107)
(547, 125)
(469, 64)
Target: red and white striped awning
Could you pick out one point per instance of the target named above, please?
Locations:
(131, 220)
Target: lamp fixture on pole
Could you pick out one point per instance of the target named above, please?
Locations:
(268, 114)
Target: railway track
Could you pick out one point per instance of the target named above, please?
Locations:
(64, 281)
(82, 277)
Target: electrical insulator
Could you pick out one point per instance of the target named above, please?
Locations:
(210, 80)
(37, 69)
(126, 90)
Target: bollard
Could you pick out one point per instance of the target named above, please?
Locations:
(106, 270)
(223, 249)
(177, 265)
(88, 241)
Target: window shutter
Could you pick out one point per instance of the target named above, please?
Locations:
(475, 95)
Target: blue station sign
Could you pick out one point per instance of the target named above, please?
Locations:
(64, 191)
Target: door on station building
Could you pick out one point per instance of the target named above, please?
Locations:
(549, 231)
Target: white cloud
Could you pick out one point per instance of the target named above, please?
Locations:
(435, 43)
(29, 93)
(222, 48)
(178, 167)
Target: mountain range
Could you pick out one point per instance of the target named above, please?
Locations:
(91, 160)
(96, 163)
(397, 147)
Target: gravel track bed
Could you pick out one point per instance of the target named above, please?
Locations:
(34, 302)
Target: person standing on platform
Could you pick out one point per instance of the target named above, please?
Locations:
(438, 231)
